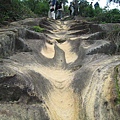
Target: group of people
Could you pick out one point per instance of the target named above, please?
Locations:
(56, 10)
(96, 5)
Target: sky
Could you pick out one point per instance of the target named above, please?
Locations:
(103, 3)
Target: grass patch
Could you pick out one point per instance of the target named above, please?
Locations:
(38, 29)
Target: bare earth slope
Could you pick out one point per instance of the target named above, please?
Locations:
(66, 73)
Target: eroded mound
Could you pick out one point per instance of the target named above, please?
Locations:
(65, 73)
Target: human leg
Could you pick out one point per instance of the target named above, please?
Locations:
(57, 15)
(61, 14)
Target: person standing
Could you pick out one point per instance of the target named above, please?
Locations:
(60, 11)
(51, 12)
(96, 5)
(73, 9)
(70, 8)
(56, 8)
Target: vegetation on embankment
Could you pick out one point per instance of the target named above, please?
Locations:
(106, 16)
(99, 15)
(117, 83)
(114, 36)
(13, 10)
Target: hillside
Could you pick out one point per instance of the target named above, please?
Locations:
(69, 70)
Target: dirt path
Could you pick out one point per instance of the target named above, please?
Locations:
(61, 101)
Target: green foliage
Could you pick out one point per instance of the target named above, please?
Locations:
(111, 16)
(99, 15)
(66, 10)
(14, 10)
(42, 8)
(38, 29)
(82, 8)
(106, 16)
(88, 11)
(115, 15)
(31, 4)
(39, 7)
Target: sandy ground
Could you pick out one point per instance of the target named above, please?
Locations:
(61, 101)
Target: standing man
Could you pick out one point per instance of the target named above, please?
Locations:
(70, 8)
(96, 5)
(60, 11)
(73, 8)
(51, 12)
(56, 9)
(53, 6)
(75, 2)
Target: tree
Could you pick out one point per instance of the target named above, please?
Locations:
(39, 7)
(31, 4)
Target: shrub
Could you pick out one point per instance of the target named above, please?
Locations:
(14, 10)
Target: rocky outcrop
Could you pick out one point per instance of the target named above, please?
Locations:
(68, 72)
